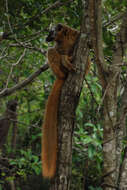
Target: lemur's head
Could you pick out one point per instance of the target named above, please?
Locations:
(57, 33)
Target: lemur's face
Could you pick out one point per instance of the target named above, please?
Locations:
(55, 33)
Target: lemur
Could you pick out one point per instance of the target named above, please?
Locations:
(59, 60)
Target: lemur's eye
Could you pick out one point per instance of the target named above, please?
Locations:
(59, 27)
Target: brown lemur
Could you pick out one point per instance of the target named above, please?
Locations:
(59, 60)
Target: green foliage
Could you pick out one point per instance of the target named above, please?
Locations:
(87, 149)
(87, 152)
(94, 188)
(26, 23)
(0, 187)
(26, 32)
(26, 164)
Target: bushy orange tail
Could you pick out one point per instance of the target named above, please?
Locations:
(49, 140)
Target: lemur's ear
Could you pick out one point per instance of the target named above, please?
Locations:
(59, 27)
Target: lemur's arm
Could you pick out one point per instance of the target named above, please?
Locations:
(66, 62)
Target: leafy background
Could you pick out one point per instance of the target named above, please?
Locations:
(25, 24)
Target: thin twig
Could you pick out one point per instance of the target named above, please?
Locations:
(9, 24)
(107, 87)
(114, 19)
(13, 65)
(91, 92)
(53, 6)
(28, 125)
(21, 44)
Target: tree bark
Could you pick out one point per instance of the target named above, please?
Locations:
(121, 168)
(123, 175)
(114, 118)
(5, 122)
(68, 103)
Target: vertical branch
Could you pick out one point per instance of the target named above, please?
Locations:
(68, 104)
(95, 14)
(109, 81)
(123, 176)
(13, 65)
(14, 129)
(122, 110)
(8, 18)
(114, 122)
(6, 121)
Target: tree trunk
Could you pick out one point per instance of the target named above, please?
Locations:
(114, 117)
(5, 122)
(68, 104)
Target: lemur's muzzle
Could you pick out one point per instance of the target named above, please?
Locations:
(54, 32)
(51, 36)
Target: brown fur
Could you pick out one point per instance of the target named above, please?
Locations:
(59, 60)
(65, 43)
(49, 145)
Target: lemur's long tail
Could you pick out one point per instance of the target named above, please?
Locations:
(49, 130)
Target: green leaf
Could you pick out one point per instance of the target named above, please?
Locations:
(91, 151)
